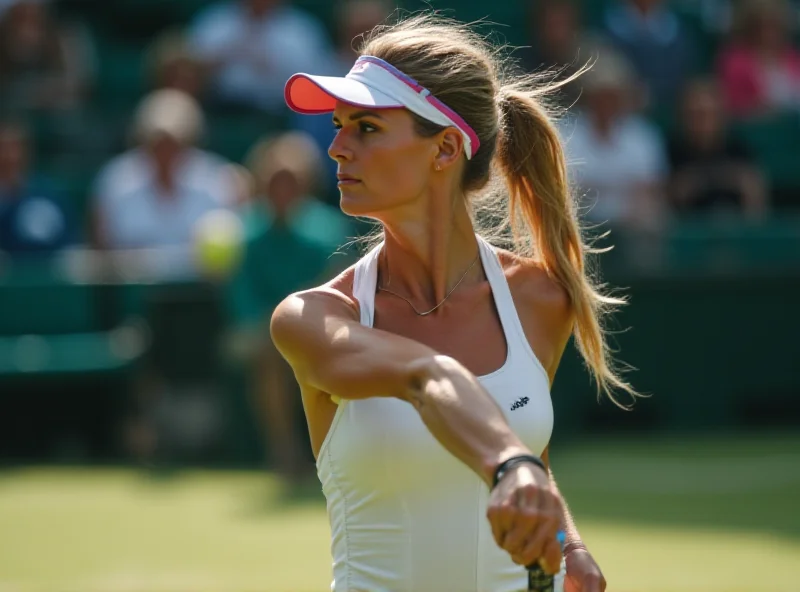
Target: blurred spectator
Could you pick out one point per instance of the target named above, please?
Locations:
(618, 158)
(285, 212)
(291, 237)
(32, 218)
(154, 194)
(711, 170)
(286, 172)
(173, 65)
(717, 16)
(658, 46)
(555, 43)
(760, 69)
(353, 19)
(251, 47)
(43, 64)
(714, 16)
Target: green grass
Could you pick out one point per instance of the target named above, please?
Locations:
(677, 515)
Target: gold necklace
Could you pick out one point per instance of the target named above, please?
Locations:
(414, 308)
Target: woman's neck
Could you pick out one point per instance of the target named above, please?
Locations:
(423, 259)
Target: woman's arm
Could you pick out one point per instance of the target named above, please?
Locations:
(567, 523)
(320, 335)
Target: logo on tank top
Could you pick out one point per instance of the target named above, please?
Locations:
(521, 402)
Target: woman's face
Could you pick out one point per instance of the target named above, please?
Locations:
(384, 163)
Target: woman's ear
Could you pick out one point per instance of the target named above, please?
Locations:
(450, 146)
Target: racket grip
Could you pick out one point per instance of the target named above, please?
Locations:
(538, 580)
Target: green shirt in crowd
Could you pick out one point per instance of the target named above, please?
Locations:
(282, 257)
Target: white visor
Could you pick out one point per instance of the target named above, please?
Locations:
(374, 83)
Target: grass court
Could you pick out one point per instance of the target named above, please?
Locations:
(710, 514)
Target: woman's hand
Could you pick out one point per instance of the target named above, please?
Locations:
(525, 514)
(583, 574)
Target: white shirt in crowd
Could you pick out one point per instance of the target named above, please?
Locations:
(258, 55)
(609, 171)
(133, 212)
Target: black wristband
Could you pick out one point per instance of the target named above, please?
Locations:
(512, 462)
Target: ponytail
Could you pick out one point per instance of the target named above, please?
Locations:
(517, 138)
(544, 224)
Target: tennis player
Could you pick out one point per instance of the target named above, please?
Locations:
(426, 367)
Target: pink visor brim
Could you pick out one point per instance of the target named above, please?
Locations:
(311, 95)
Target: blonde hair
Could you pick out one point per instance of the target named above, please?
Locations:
(517, 181)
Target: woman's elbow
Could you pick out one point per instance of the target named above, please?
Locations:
(423, 375)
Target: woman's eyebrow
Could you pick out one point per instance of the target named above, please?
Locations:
(360, 114)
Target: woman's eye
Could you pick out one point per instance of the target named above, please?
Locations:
(363, 127)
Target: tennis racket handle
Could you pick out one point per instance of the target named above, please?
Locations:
(538, 581)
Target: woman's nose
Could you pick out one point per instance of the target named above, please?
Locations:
(338, 149)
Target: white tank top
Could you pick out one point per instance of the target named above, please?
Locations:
(406, 515)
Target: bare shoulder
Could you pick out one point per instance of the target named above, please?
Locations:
(543, 306)
(309, 310)
(336, 295)
(532, 286)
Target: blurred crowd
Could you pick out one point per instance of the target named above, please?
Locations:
(173, 134)
(657, 128)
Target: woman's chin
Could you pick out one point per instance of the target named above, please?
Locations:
(355, 205)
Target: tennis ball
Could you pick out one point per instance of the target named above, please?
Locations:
(219, 243)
